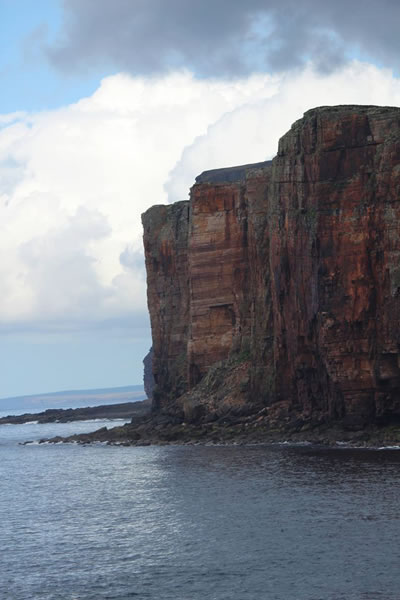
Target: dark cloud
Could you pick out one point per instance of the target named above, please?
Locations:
(224, 37)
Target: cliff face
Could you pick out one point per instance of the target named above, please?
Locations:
(288, 273)
(165, 241)
(218, 284)
(148, 377)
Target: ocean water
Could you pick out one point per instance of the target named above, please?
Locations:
(195, 522)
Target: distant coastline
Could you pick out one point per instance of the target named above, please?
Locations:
(73, 399)
(125, 410)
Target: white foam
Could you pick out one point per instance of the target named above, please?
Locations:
(105, 420)
(293, 443)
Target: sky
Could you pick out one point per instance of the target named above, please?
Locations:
(108, 107)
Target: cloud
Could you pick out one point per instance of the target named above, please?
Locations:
(60, 269)
(224, 37)
(250, 133)
(73, 183)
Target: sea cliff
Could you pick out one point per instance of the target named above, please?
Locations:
(274, 294)
(275, 290)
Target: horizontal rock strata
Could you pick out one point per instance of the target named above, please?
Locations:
(277, 285)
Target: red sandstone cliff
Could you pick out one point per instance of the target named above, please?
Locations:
(278, 285)
(165, 242)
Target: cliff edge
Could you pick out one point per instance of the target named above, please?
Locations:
(276, 288)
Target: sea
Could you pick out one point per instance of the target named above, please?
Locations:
(273, 522)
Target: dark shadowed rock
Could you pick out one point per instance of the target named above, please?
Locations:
(148, 377)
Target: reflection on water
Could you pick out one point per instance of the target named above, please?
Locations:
(191, 523)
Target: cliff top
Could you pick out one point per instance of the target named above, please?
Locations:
(325, 128)
(345, 110)
(230, 174)
(350, 108)
(158, 213)
(238, 173)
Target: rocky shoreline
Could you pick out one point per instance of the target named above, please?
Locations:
(125, 410)
(158, 430)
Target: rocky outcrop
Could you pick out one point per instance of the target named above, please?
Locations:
(278, 288)
(148, 377)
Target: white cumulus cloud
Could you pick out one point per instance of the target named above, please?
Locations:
(250, 132)
(74, 181)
